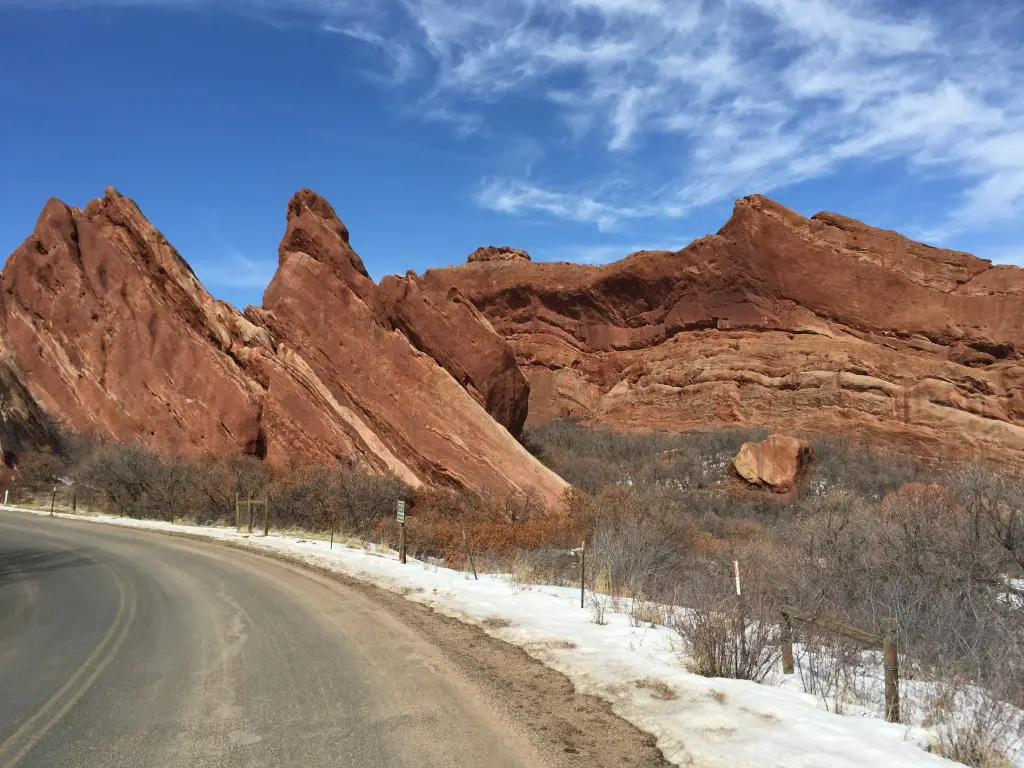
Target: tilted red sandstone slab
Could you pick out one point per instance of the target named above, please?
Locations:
(455, 334)
(112, 331)
(814, 325)
(408, 411)
(108, 328)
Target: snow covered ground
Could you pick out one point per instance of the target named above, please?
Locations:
(698, 721)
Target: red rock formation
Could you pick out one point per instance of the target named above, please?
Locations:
(498, 253)
(820, 325)
(779, 462)
(111, 330)
(108, 328)
(453, 332)
(400, 409)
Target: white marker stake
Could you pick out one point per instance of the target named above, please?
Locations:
(736, 568)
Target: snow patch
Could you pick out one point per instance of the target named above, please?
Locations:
(698, 721)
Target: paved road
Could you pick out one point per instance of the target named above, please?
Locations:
(122, 648)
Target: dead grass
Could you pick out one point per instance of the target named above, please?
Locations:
(767, 717)
(658, 689)
(552, 645)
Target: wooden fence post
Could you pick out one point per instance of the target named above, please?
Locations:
(74, 501)
(583, 573)
(886, 641)
(251, 513)
(892, 671)
(787, 633)
(469, 553)
(266, 516)
(238, 515)
(53, 500)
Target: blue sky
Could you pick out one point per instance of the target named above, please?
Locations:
(576, 129)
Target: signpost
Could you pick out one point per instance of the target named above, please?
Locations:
(400, 513)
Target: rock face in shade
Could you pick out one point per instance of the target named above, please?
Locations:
(109, 329)
(780, 463)
(24, 425)
(454, 333)
(804, 326)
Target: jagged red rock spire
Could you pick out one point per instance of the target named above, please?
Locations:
(107, 327)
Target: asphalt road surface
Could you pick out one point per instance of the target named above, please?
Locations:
(126, 648)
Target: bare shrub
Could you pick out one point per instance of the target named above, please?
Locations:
(723, 636)
(645, 613)
(547, 565)
(38, 471)
(593, 458)
(832, 667)
(439, 516)
(996, 501)
(717, 647)
(859, 467)
(362, 499)
(599, 605)
(128, 475)
(641, 540)
(974, 727)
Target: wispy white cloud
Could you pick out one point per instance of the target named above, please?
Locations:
(464, 122)
(753, 94)
(234, 269)
(605, 253)
(520, 196)
(400, 58)
(736, 95)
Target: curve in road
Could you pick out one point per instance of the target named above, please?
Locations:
(121, 648)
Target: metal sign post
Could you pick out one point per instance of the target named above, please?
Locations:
(400, 512)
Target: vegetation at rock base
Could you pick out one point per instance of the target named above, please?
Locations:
(876, 535)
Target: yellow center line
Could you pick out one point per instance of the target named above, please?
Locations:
(36, 727)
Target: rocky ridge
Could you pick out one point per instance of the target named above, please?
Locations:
(799, 325)
(497, 253)
(108, 329)
(819, 325)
